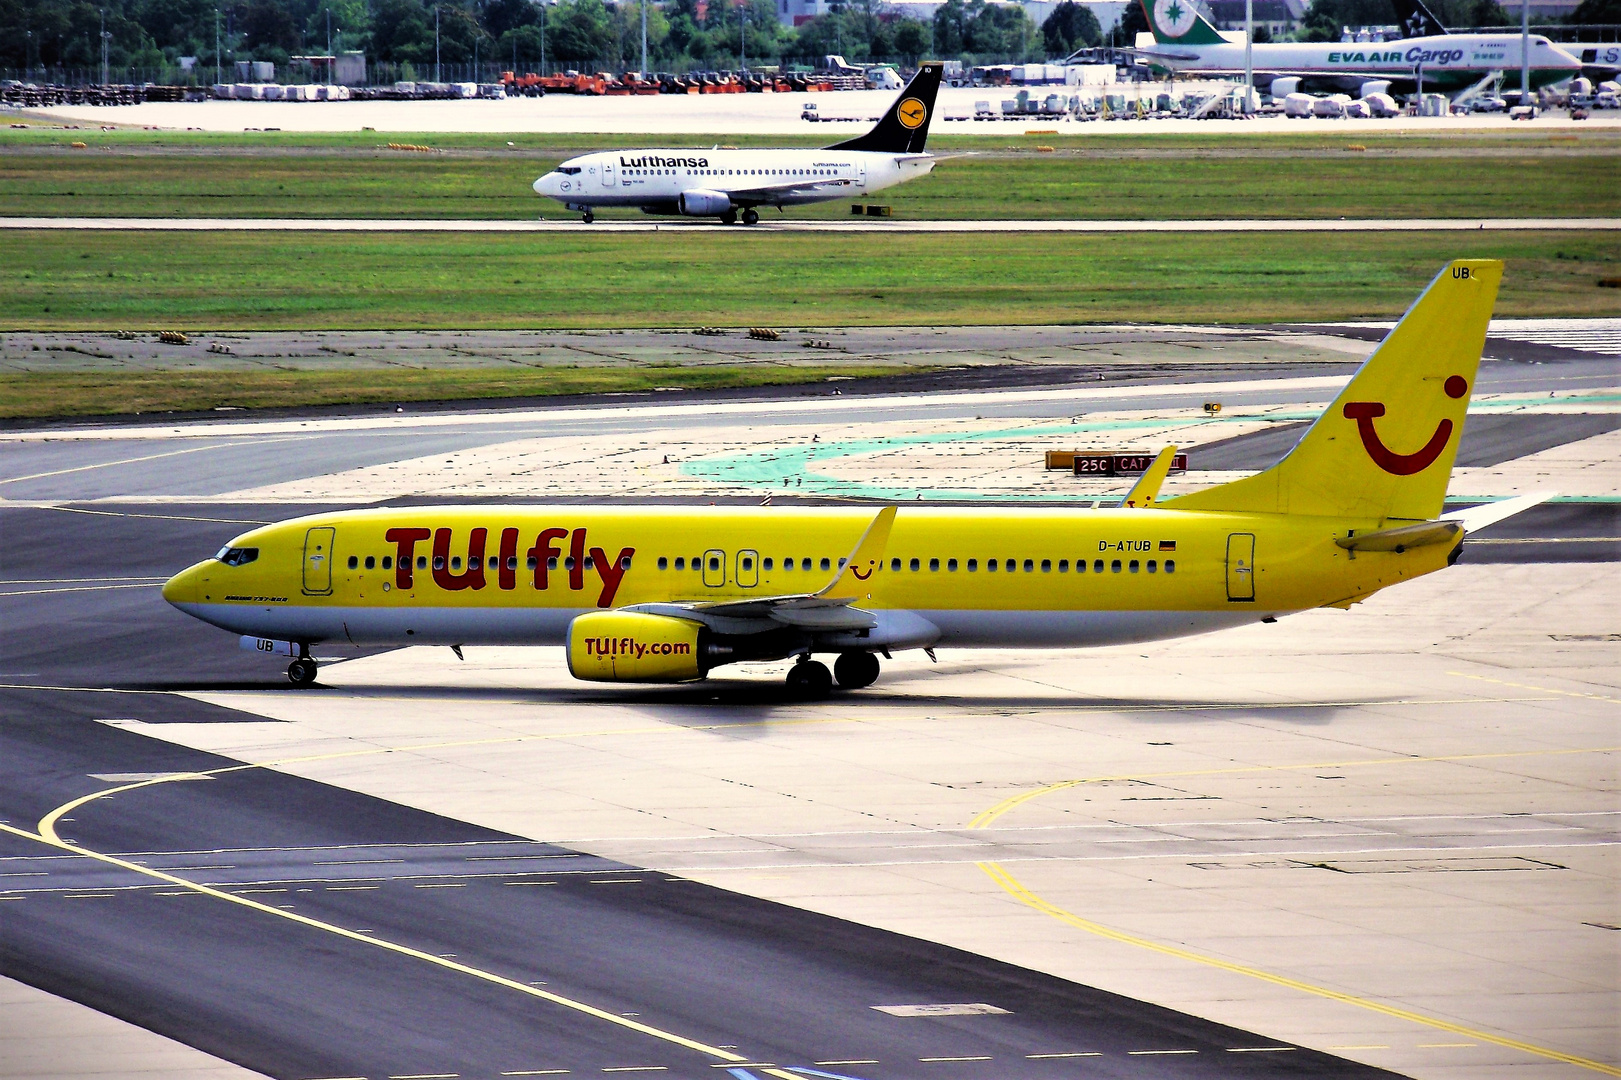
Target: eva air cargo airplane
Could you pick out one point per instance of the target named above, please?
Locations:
(667, 595)
(721, 183)
(1186, 43)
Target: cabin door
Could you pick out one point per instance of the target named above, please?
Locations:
(318, 561)
(608, 174)
(1241, 567)
(714, 568)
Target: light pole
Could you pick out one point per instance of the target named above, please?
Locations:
(104, 38)
(742, 37)
(216, 46)
(1525, 51)
(1249, 64)
(329, 46)
(543, 39)
(643, 6)
(436, 43)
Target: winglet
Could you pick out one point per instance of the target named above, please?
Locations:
(1144, 491)
(851, 579)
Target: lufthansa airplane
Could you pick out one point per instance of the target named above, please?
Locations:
(669, 594)
(721, 183)
(1186, 43)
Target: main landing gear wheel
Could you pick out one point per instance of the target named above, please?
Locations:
(729, 218)
(588, 217)
(302, 672)
(810, 679)
(855, 670)
(751, 216)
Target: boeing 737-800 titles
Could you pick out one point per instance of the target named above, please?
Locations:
(1184, 42)
(666, 594)
(721, 183)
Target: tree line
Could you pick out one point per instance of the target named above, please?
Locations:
(681, 34)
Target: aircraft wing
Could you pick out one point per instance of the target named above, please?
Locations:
(828, 608)
(766, 192)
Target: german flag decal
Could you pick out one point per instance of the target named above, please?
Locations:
(1167, 545)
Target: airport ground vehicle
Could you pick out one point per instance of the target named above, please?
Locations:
(669, 594)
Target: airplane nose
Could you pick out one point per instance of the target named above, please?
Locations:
(543, 186)
(185, 587)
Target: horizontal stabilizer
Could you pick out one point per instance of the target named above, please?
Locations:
(1401, 539)
(1476, 518)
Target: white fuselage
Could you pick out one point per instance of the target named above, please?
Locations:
(657, 178)
(1449, 62)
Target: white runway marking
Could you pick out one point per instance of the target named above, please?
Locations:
(1601, 336)
(573, 226)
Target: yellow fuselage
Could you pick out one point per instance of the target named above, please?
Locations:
(966, 577)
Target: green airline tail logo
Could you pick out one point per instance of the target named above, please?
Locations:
(1178, 20)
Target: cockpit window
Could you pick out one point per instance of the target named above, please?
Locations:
(232, 556)
(568, 170)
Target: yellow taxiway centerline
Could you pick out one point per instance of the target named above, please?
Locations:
(1017, 889)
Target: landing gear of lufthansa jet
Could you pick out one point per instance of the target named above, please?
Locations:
(810, 679)
(855, 670)
(751, 216)
(588, 217)
(729, 218)
(302, 672)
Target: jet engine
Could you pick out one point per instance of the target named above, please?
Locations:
(702, 202)
(631, 646)
(1374, 86)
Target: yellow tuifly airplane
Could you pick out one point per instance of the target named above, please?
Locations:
(658, 594)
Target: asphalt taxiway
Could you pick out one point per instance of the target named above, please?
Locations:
(1352, 842)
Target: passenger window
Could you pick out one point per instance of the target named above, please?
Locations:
(422, 562)
(1063, 566)
(353, 562)
(788, 564)
(990, 566)
(455, 562)
(714, 563)
(915, 565)
(681, 564)
(765, 564)
(664, 562)
(1046, 566)
(1133, 568)
(388, 562)
(371, 562)
(1115, 566)
(748, 563)
(532, 563)
(951, 564)
(934, 564)
(1010, 565)
(1097, 566)
(827, 564)
(1080, 566)
(624, 564)
(1152, 566)
(512, 562)
(1029, 566)
(495, 562)
(973, 565)
(568, 563)
(590, 563)
(804, 564)
(438, 562)
(1170, 566)
(894, 564)
(842, 562)
(551, 563)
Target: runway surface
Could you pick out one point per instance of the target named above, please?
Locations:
(573, 225)
(418, 938)
(1235, 856)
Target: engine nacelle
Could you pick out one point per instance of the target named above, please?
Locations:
(1283, 86)
(701, 202)
(631, 646)
(1374, 86)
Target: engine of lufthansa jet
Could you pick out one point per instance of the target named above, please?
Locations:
(701, 202)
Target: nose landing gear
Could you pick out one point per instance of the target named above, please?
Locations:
(301, 672)
(588, 217)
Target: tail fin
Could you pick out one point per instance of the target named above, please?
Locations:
(1178, 22)
(1384, 449)
(1416, 20)
(905, 127)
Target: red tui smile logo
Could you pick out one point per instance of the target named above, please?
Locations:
(1366, 412)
